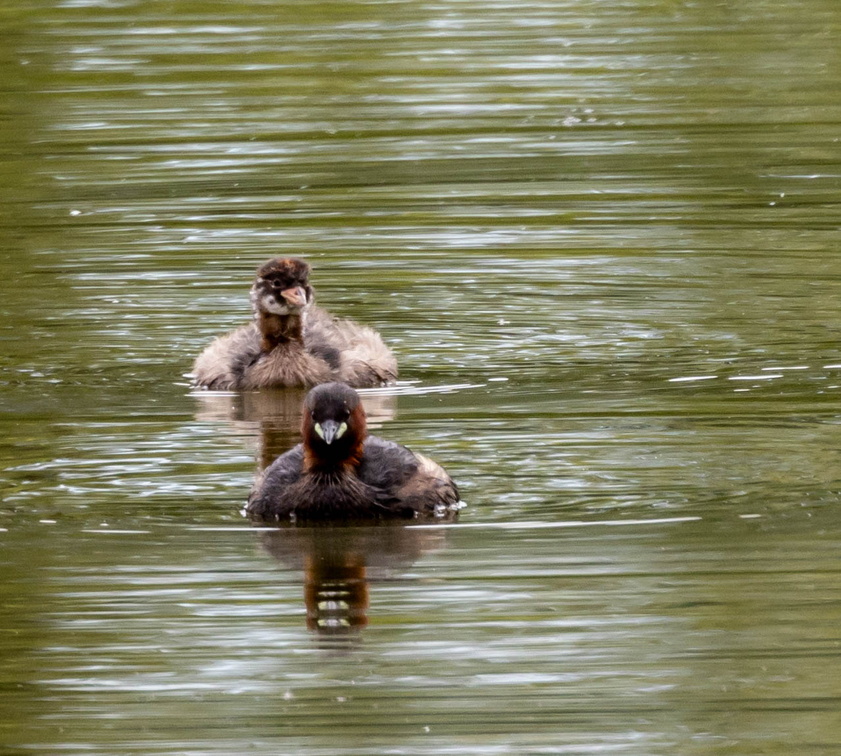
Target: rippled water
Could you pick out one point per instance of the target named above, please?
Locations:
(602, 239)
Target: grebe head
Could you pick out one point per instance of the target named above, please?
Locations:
(333, 425)
(282, 287)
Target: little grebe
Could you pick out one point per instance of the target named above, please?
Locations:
(340, 472)
(291, 342)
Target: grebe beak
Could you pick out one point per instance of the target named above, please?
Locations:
(295, 296)
(330, 430)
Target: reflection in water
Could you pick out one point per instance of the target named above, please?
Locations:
(340, 562)
(276, 415)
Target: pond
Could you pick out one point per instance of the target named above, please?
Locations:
(602, 240)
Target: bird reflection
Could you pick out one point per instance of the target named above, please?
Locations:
(275, 415)
(339, 563)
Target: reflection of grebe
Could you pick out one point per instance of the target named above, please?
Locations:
(291, 342)
(272, 418)
(339, 472)
(336, 594)
(340, 564)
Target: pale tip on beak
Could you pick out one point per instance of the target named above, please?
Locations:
(295, 296)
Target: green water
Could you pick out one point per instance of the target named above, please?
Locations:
(602, 239)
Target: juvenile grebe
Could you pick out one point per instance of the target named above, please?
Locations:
(339, 472)
(291, 342)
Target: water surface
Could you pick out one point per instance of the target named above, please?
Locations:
(602, 241)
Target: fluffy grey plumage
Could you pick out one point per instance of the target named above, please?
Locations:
(291, 342)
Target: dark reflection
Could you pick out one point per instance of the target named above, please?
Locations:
(340, 562)
(276, 415)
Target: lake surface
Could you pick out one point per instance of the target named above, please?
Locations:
(603, 241)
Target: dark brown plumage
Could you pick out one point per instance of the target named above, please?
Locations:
(291, 342)
(339, 472)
